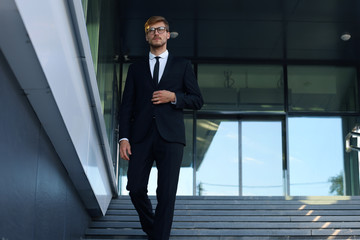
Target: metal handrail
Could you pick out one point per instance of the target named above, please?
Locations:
(348, 146)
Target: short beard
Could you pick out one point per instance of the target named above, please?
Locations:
(159, 45)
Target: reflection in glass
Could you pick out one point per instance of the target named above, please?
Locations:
(261, 147)
(217, 165)
(123, 167)
(316, 155)
(242, 87)
(185, 186)
(100, 32)
(124, 75)
(352, 163)
(322, 88)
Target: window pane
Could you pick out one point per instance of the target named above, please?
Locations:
(322, 88)
(185, 186)
(242, 87)
(123, 167)
(351, 159)
(262, 156)
(124, 75)
(217, 166)
(218, 160)
(316, 150)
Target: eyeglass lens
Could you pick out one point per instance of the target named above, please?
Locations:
(158, 29)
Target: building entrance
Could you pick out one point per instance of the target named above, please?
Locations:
(264, 156)
(240, 157)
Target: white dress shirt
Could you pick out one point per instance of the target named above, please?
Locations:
(162, 62)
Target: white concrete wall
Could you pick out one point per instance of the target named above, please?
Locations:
(46, 45)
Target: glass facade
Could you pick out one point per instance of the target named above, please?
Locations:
(242, 87)
(233, 154)
(323, 89)
(185, 186)
(316, 150)
(262, 155)
(217, 165)
(262, 133)
(100, 17)
(265, 129)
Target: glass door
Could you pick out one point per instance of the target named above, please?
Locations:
(261, 158)
(239, 157)
(217, 162)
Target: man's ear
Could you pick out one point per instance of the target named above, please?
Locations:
(146, 38)
(168, 35)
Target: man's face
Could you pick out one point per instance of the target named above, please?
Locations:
(155, 38)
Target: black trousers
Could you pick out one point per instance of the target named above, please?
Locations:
(168, 157)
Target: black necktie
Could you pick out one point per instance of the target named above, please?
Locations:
(156, 71)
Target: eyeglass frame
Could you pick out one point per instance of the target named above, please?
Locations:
(160, 30)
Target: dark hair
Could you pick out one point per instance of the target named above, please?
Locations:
(154, 19)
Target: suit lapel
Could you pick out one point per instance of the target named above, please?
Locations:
(166, 70)
(148, 71)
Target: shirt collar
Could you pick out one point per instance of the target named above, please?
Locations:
(163, 55)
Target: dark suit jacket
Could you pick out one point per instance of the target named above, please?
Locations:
(137, 111)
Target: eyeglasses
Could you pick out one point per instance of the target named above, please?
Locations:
(160, 30)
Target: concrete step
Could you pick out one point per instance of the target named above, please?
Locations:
(243, 218)
(234, 225)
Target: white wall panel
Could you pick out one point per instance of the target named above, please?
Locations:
(59, 89)
(50, 32)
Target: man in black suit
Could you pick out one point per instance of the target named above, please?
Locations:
(152, 126)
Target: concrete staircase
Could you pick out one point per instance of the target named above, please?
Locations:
(243, 218)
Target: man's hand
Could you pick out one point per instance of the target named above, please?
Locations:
(125, 150)
(163, 96)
